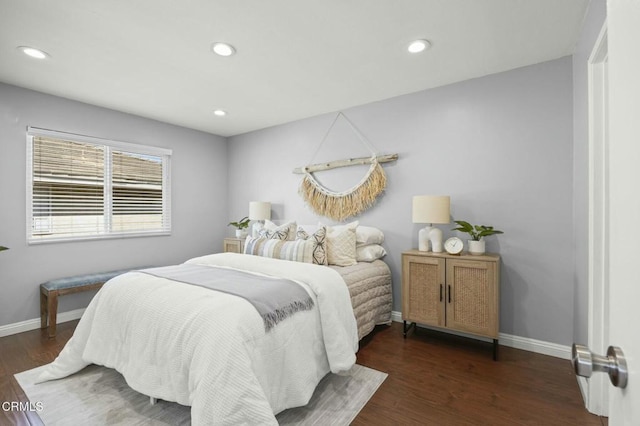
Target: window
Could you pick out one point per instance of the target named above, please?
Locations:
(81, 187)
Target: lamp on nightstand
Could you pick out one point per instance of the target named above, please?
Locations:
(259, 211)
(430, 209)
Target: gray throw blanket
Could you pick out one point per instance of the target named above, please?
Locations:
(274, 298)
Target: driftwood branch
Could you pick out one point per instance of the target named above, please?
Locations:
(344, 163)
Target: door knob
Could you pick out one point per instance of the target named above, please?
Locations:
(585, 363)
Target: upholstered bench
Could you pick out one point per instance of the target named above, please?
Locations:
(50, 291)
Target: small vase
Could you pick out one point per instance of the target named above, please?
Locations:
(239, 233)
(476, 247)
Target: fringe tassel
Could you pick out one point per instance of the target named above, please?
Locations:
(340, 206)
(270, 319)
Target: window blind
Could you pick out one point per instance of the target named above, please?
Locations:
(82, 187)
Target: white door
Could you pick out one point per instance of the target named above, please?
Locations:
(596, 389)
(623, 21)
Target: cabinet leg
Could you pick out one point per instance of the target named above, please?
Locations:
(406, 329)
(495, 349)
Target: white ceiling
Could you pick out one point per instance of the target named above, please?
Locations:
(295, 58)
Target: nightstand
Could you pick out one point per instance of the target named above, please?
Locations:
(233, 245)
(452, 292)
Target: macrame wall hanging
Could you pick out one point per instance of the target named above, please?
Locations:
(342, 205)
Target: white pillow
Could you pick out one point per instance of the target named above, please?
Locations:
(341, 245)
(370, 253)
(366, 235)
(352, 225)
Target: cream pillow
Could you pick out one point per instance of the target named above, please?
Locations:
(341, 245)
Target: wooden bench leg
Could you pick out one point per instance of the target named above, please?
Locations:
(52, 306)
(43, 309)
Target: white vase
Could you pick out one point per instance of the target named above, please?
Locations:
(476, 247)
(240, 233)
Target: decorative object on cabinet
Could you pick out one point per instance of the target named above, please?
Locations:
(342, 205)
(454, 245)
(430, 209)
(459, 293)
(477, 233)
(233, 245)
(259, 211)
(240, 226)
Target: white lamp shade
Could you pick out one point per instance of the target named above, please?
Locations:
(259, 210)
(431, 209)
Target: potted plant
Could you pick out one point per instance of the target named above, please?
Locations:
(477, 233)
(240, 226)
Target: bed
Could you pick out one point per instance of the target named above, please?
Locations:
(185, 343)
(369, 285)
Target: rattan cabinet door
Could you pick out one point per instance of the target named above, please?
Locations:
(423, 290)
(472, 297)
(233, 245)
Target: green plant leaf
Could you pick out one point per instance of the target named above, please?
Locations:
(241, 224)
(475, 231)
(3, 248)
(463, 226)
(488, 232)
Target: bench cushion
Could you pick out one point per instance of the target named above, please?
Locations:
(81, 280)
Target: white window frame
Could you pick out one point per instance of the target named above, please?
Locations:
(108, 146)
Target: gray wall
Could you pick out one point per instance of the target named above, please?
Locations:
(500, 146)
(199, 184)
(596, 16)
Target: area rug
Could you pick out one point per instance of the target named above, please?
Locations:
(100, 396)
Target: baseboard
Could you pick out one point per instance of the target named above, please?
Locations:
(34, 324)
(517, 342)
(584, 389)
(524, 343)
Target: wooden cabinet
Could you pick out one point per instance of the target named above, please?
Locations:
(451, 292)
(233, 245)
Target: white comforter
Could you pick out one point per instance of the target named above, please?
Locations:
(209, 350)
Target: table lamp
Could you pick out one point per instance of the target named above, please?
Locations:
(430, 209)
(259, 211)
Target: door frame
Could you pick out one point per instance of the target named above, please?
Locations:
(596, 389)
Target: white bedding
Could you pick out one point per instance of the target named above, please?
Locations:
(208, 349)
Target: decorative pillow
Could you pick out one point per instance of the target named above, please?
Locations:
(370, 253)
(319, 239)
(297, 251)
(367, 235)
(291, 226)
(341, 245)
(275, 234)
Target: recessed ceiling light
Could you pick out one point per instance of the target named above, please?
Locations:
(419, 46)
(33, 52)
(223, 49)
(220, 112)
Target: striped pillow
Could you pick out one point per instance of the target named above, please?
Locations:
(297, 251)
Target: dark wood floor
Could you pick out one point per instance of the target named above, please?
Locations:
(434, 379)
(440, 379)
